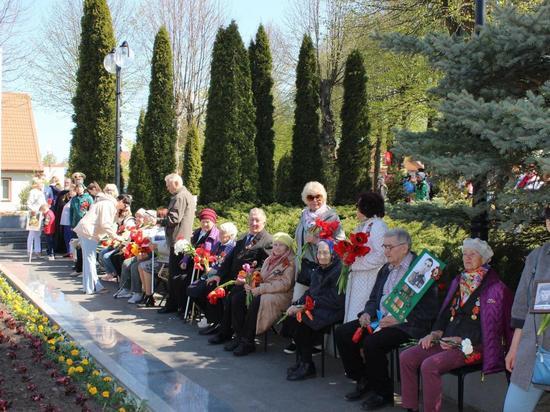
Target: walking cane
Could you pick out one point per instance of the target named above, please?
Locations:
(188, 297)
(153, 273)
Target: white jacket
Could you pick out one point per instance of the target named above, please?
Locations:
(35, 200)
(100, 220)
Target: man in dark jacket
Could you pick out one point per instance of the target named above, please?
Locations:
(371, 370)
(179, 224)
(253, 249)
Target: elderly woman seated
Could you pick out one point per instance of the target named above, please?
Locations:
(472, 325)
(199, 290)
(305, 324)
(267, 296)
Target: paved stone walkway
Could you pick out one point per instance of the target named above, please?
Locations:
(165, 358)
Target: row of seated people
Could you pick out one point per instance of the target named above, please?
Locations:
(477, 307)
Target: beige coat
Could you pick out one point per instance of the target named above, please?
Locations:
(276, 291)
(100, 219)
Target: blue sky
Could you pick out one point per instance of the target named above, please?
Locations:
(54, 129)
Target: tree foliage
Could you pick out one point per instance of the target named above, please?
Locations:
(354, 150)
(140, 184)
(192, 164)
(262, 85)
(159, 129)
(230, 168)
(494, 114)
(93, 137)
(306, 144)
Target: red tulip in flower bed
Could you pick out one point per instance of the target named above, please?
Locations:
(29, 381)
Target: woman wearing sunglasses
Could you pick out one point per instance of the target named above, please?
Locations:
(314, 195)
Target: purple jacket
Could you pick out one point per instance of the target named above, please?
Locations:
(495, 311)
(210, 243)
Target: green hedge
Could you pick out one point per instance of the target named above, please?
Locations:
(443, 239)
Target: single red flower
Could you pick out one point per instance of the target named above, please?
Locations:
(473, 358)
(358, 334)
(359, 238)
(310, 303)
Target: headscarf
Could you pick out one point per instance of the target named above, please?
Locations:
(273, 261)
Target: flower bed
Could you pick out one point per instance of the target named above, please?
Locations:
(48, 368)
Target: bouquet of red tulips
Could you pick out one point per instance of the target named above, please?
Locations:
(348, 251)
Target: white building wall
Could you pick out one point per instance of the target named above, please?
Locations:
(18, 182)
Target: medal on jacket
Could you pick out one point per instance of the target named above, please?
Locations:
(475, 309)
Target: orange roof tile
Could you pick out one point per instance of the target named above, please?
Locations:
(20, 151)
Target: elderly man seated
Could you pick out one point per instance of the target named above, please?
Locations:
(253, 248)
(370, 368)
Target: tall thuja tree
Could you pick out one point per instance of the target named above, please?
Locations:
(192, 163)
(494, 112)
(93, 137)
(306, 142)
(354, 150)
(140, 185)
(159, 130)
(229, 168)
(262, 85)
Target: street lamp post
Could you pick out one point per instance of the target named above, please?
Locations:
(114, 62)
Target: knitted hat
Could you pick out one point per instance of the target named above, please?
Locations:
(208, 214)
(480, 246)
(285, 239)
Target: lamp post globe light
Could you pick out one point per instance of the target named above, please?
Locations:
(118, 59)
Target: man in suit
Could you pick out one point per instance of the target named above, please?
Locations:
(371, 370)
(253, 249)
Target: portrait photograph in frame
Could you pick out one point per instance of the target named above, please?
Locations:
(423, 272)
(34, 221)
(542, 297)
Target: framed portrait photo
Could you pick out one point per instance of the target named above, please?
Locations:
(422, 273)
(34, 221)
(542, 297)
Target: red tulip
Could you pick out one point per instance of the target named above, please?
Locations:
(357, 335)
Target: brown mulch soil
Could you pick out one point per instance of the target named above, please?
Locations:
(29, 381)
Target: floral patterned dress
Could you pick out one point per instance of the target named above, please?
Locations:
(364, 269)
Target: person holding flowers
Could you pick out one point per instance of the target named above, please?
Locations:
(475, 316)
(363, 271)
(308, 232)
(270, 293)
(529, 330)
(317, 309)
(252, 249)
(200, 289)
(96, 224)
(364, 342)
(205, 237)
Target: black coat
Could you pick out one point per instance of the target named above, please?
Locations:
(421, 318)
(256, 251)
(329, 304)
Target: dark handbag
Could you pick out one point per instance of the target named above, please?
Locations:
(306, 269)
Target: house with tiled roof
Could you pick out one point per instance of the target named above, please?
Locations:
(20, 155)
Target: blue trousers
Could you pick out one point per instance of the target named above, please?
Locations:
(519, 400)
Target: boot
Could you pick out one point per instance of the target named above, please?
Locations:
(305, 370)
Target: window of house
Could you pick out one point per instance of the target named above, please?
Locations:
(6, 189)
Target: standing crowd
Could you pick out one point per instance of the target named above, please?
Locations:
(259, 280)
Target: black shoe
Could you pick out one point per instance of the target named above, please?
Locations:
(305, 370)
(361, 389)
(232, 345)
(167, 310)
(316, 351)
(376, 401)
(244, 348)
(218, 338)
(210, 330)
(290, 348)
(293, 368)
